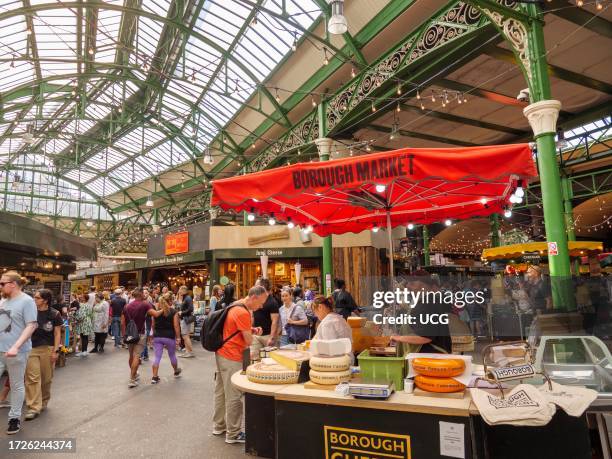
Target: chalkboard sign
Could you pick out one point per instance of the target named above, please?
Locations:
(66, 291)
(55, 287)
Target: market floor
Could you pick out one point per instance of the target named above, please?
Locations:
(91, 403)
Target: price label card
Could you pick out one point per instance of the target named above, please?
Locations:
(452, 440)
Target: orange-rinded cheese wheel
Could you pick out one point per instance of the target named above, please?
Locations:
(431, 384)
(441, 368)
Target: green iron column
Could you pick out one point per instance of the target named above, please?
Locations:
(426, 259)
(494, 225)
(324, 145)
(568, 195)
(542, 115)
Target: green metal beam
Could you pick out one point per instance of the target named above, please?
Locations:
(463, 120)
(555, 71)
(580, 16)
(421, 135)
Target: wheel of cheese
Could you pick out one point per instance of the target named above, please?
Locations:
(325, 363)
(442, 385)
(271, 374)
(442, 368)
(329, 377)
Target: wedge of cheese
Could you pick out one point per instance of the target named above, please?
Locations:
(331, 347)
(290, 359)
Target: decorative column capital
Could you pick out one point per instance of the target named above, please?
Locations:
(324, 145)
(543, 116)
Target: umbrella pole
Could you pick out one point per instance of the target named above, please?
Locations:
(390, 239)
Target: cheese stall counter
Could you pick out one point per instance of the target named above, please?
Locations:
(281, 419)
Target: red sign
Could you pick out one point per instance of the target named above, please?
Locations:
(177, 243)
(553, 249)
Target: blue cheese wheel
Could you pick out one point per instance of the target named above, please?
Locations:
(271, 374)
(329, 378)
(326, 363)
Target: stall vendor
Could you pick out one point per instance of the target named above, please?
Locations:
(331, 324)
(429, 332)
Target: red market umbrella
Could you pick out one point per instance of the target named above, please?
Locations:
(411, 185)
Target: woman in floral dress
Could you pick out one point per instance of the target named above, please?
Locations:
(84, 325)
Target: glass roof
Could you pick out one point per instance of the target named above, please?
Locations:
(96, 100)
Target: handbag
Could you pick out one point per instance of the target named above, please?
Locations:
(297, 333)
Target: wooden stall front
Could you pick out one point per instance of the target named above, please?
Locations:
(281, 419)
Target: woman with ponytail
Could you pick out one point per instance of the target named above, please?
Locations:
(166, 334)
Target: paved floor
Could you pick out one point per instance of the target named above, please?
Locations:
(91, 403)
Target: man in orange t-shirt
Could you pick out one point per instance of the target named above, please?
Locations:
(227, 417)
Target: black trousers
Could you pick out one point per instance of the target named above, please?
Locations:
(100, 338)
(84, 342)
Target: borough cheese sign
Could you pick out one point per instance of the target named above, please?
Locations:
(342, 443)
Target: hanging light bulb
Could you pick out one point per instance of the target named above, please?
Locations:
(464, 99)
(352, 72)
(398, 108)
(433, 96)
(149, 202)
(325, 59)
(251, 215)
(519, 192)
(271, 220)
(120, 109)
(598, 5)
(507, 213)
(312, 101)
(91, 51)
(89, 223)
(410, 226)
(448, 222)
(483, 201)
(422, 106)
(290, 224)
(295, 43)
(580, 3)
(418, 95)
(375, 229)
(373, 107)
(277, 97)
(399, 89)
(254, 21)
(380, 188)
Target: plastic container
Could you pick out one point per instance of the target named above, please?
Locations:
(408, 385)
(382, 370)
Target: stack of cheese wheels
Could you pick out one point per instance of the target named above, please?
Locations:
(271, 374)
(328, 370)
(436, 375)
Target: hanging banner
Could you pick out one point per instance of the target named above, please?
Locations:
(177, 243)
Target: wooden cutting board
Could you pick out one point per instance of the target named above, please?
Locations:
(312, 385)
(453, 395)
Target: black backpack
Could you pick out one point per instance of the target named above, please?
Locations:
(131, 331)
(212, 329)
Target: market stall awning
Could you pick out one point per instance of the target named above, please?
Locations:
(576, 249)
(410, 185)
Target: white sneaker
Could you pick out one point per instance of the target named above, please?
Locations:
(84, 354)
(132, 383)
(218, 432)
